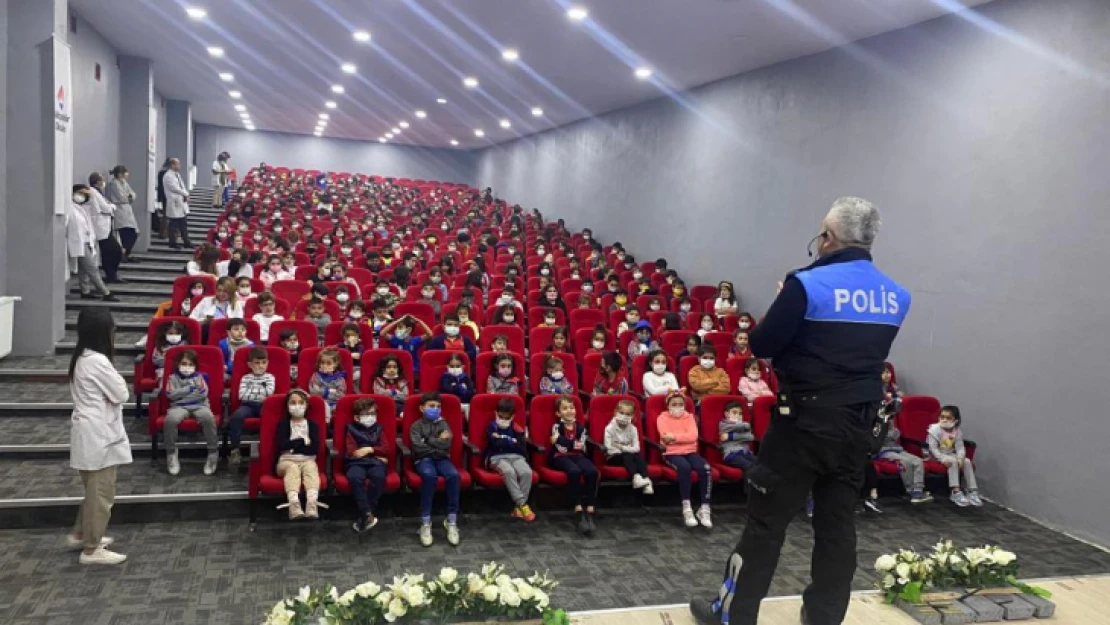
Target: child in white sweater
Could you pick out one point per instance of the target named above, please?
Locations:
(657, 380)
(622, 440)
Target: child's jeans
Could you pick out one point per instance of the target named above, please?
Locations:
(578, 468)
(430, 470)
(954, 472)
(367, 495)
(912, 470)
(684, 465)
(296, 473)
(246, 410)
(741, 459)
(516, 474)
(203, 415)
(633, 463)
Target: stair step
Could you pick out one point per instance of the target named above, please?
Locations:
(29, 393)
(158, 257)
(67, 347)
(54, 362)
(23, 479)
(147, 290)
(165, 280)
(79, 304)
(124, 320)
(153, 267)
(38, 437)
(45, 408)
(123, 337)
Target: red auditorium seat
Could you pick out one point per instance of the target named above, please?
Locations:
(712, 411)
(277, 364)
(483, 410)
(144, 372)
(210, 362)
(602, 409)
(262, 476)
(657, 405)
(452, 414)
(387, 419)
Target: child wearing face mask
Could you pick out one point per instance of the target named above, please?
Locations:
(503, 378)
(389, 380)
(196, 292)
(657, 379)
(298, 442)
(243, 288)
(383, 293)
(187, 392)
(752, 385)
(685, 306)
(169, 335)
(622, 440)
(455, 381)
(366, 461)
(735, 436)
(343, 298)
(550, 320)
(506, 315)
(356, 313)
(946, 446)
(266, 316)
(558, 345)
(741, 347)
(620, 301)
(329, 381)
(708, 379)
(568, 454)
(554, 381)
(452, 339)
(292, 344)
(428, 296)
(235, 340)
(725, 305)
(643, 344)
(598, 340)
(678, 432)
(462, 312)
(745, 322)
(508, 298)
(254, 388)
(610, 378)
(706, 325)
(403, 334)
(910, 467)
(431, 449)
(274, 271)
(506, 453)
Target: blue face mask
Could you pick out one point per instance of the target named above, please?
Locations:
(432, 414)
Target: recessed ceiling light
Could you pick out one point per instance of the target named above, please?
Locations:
(577, 14)
(454, 142)
(337, 89)
(420, 113)
(506, 123)
(441, 100)
(318, 133)
(245, 116)
(643, 73)
(395, 130)
(235, 95)
(330, 104)
(479, 132)
(470, 82)
(389, 135)
(361, 36)
(196, 13)
(215, 51)
(403, 124)
(250, 128)
(324, 116)
(382, 140)
(240, 107)
(537, 111)
(227, 76)
(510, 54)
(348, 68)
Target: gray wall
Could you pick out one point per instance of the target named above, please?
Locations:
(160, 140)
(248, 149)
(3, 145)
(96, 104)
(987, 154)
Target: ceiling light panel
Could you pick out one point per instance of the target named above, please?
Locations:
(470, 82)
(338, 89)
(349, 68)
(577, 13)
(537, 111)
(421, 114)
(215, 51)
(510, 54)
(196, 13)
(361, 36)
(227, 76)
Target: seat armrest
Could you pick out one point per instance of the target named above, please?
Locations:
(471, 446)
(332, 451)
(708, 443)
(600, 446)
(656, 446)
(405, 451)
(536, 448)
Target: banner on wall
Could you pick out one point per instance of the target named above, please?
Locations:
(151, 161)
(62, 103)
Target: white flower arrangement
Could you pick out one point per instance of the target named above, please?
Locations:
(449, 595)
(906, 574)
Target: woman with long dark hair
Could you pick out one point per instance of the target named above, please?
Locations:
(98, 441)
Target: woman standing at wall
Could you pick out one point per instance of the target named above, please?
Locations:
(120, 194)
(98, 442)
(100, 212)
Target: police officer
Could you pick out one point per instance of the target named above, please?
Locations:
(828, 333)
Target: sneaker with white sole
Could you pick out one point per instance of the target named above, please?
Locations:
(72, 542)
(101, 556)
(638, 482)
(873, 506)
(974, 499)
(234, 458)
(426, 535)
(688, 517)
(704, 517)
(211, 462)
(649, 489)
(173, 465)
(921, 496)
(452, 533)
(960, 499)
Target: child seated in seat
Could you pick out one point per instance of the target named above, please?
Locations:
(708, 379)
(736, 437)
(403, 335)
(169, 335)
(254, 388)
(946, 446)
(631, 319)
(610, 378)
(620, 301)
(745, 322)
(389, 380)
(243, 286)
(550, 319)
(455, 381)
(499, 344)
(741, 347)
(706, 326)
(380, 320)
(431, 450)
(910, 467)
(678, 432)
(558, 343)
(568, 454)
(725, 305)
(643, 344)
(365, 461)
(196, 289)
(505, 453)
(622, 441)
(503, 378)
(382, 292)
(598, 340)
(655, 305)
(684, 308)
(343, 298)
(187, 393)
(554, 381)
(235, 340)
(292, 344)
(352, 342)
(428, 296)
(752, 385)
(356, 312)
(329, 382)
(693, 346)
(298, 441)
(266, 315)
(462, 312)
(505, 315)
(318, 317)
(657, 379)
(586, 298)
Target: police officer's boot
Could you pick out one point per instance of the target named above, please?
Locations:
(702, 611)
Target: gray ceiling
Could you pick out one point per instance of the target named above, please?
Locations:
(285, 55)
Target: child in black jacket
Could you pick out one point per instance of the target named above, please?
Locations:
(298, 442)
(368, 451)
(506, 454)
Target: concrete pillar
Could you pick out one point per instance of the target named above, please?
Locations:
(34, 236)
(136, 137)
(179, 134)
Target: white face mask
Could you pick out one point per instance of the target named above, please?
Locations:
(401, 334)
(80, 198)
(342, 298)
(587, 288)
(677, 411)
(707, 363)
(599, 344)
(277, 229)
(451, 330)
(509, 318)
(383, 291)
(504, 371)
(545, 272)
(464, 318)
(744, 325)
(947, 425)
(187, 369)
(173, 339)
(753, 375)
(659, 368)
(557, 375)
(655, 307)
(368, 420)
(504, 424)
(622, 419)
(244, 291)
(297, 410)
(454, 370)
(356, 314)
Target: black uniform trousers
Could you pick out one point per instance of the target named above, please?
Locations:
(110, 255)
(819, 450)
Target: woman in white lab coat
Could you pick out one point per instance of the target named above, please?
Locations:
(101, 212)
(81, 247)
(120, 194)
(98, 441)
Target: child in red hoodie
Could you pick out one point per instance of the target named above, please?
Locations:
(678, 432)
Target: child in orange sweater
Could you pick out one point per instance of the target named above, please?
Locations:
(708, 378)
(678, 432)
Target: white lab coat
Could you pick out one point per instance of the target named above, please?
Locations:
(97, 437)
(100, 212)
(207, 307)
(177, 197)
(80, 237)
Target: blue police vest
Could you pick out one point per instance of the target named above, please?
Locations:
(853, 292)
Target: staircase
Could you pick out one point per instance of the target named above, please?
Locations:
(37, 486)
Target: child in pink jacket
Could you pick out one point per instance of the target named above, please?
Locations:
(753, 385)
(678, 432)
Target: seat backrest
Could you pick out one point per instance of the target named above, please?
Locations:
(702, 292)
(191, 337)
(602, 409)
(541, 419)
(761, 415)
(582, 342)
(655, 406)
(513, 333)
(918, 413)
(343, 415)
(273, 413)
(721, 342)
(540, 338)
(282, 308)
(306, 332)
(369, 364)
(712, 411)
(307, 366)
(452, 414)
(483, 410)
(676, 304)
(693, 320)
(536, 369)
(639, 368)
(277, 364)
(290, 290)
(421, 311)
(585, 318)
(210, 362)
(434, 362)
(217, 331)
(485, 364)
(331, 308)
(674, 341)
(684, 366)
(181, 286)
(536, 314)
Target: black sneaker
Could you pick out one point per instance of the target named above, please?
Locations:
(873, 506)
(89, 295)
(583, 524)
(174, 246)
(110, 298)
(590, 521)
(702, 611)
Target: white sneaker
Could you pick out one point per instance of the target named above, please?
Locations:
(141, 342)
(172, 464)
(688, 516)
(452, 533)
(638, 482)
(211, 462)
(704, 517)
(426, 535)
(102, 556)
(73, 542)
(974, 499)
(649, 489)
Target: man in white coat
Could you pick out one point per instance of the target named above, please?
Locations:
(101, 212)
(177, 204)
(81, 247)
(221, 172)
